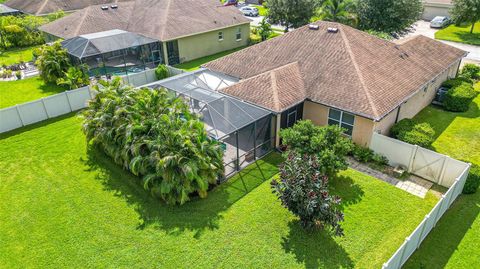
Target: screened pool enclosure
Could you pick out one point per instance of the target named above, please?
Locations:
(114, 52)
(247, 132)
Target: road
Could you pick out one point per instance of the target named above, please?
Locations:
(423, 28)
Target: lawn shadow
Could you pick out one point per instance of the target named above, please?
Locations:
(51, 88)
(469, 38)
(315, 249)
(347, 189)
(196, 215)
(439, 246)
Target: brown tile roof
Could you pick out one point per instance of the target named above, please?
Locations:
(39, 7)
(350, 70)
(160, 19)
(279, 89)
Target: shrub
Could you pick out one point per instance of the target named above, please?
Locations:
(75, 77)
(326, 142)
(455, 82)
(473, 180)
(154, 135)
(18, 74)
(362, 154)
(401, 127)
(52, 62)
(379, 159)
(161, 72)
(254, 39)
(458, 99)
(471, 71)
(422, 134)
(303, 189)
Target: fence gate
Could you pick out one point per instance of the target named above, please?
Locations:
(428, 164)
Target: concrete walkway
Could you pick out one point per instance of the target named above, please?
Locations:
(413, 185)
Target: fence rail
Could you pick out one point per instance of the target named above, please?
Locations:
(437, 167)
(59, 104)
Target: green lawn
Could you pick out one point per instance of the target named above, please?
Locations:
(262, 11)
(455, 241)
(460, 34)
(63, 204)
(21, 91)
(195, 64)
(14, 56)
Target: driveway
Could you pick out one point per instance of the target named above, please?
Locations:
(423, 28)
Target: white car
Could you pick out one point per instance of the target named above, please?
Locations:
(439, 22)
(249, 11)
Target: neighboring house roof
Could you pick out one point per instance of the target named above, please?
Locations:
(350, 70)
(40, 7)
(281, 88)
(7, 10)
(102, 42)
(161, 19)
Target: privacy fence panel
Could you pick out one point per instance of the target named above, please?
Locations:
(32, 112)
(56, 105)
(78, 98)
(10, 119)
(430, 165)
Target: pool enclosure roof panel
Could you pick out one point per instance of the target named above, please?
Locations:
(222, 114)
(102, 42)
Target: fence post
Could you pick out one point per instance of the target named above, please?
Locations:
(442, 172)
(19, 115)
(68, 101)
(412, 158)
(403, 252)
(45, 107)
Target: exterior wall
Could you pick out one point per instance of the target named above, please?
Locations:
(431, 10)
(317, 113)
(383, 126)
(193, 47)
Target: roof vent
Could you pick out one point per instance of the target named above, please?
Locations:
(114, 6)
(332, 30)
(104, 7)
(313, 27)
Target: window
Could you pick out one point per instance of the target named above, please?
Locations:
(239, 34)
(220, 36)
(342, 119)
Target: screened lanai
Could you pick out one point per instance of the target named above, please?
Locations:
(114, 52)
(247, 132)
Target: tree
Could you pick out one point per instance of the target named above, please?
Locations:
(338, 11)
(52, 62)
(75, 77)
(389, 16)
(466, 11)
(154, 135)
(264, 29)
(161, 72)
(327, 143)
(303, 189)
(21, 31)
(291, 13)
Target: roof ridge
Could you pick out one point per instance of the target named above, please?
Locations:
(359, 73)
(273, 81)
(165, 19)
(41, 7)
(84, 16)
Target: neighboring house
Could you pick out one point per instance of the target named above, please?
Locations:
(186, 29)
(433, 8)
(7, 11)
(340, 76)
(42, 7)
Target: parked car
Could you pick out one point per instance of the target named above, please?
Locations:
(439, 22)
(440, 96)
(231, 3)
(249, 11)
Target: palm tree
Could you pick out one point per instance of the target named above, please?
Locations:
(338, 11)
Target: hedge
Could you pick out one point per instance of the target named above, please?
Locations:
(473, 180)
(455, 82)
(471, 71)
(458, 99)
(409, 131)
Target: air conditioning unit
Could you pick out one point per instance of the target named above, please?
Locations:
(114, 6)
(313, 27)
(332, 30)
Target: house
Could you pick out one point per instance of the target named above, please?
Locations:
(334, 74)
(43, 7)
(433, 8)
(186, 29)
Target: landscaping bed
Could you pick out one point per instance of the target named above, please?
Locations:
(65, 204)
(25, 90)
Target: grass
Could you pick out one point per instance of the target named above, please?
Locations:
(195, 64)
(460, 34)
(64, 204)
(21, 91)
(455, 241)
(15, 56)
(262, 11)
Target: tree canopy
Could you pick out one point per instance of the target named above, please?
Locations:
(154, 135)
(52, 62)
(466, 11)
(388, 15)
(341, 11)
(21, 31)
(291, 13)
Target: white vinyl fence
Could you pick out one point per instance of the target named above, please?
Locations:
(59, 104)
(437, 167)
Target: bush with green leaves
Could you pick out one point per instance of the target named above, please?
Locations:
(303, 189)
(455, 82)
(473, 180)
(379, 159)
(162, 72)
(52, 62)
(154, 135)
(471, 71)
(327, 143)
(362, 154)
(407, 130)
(75, 77)
(458, 99)
(21, 31)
